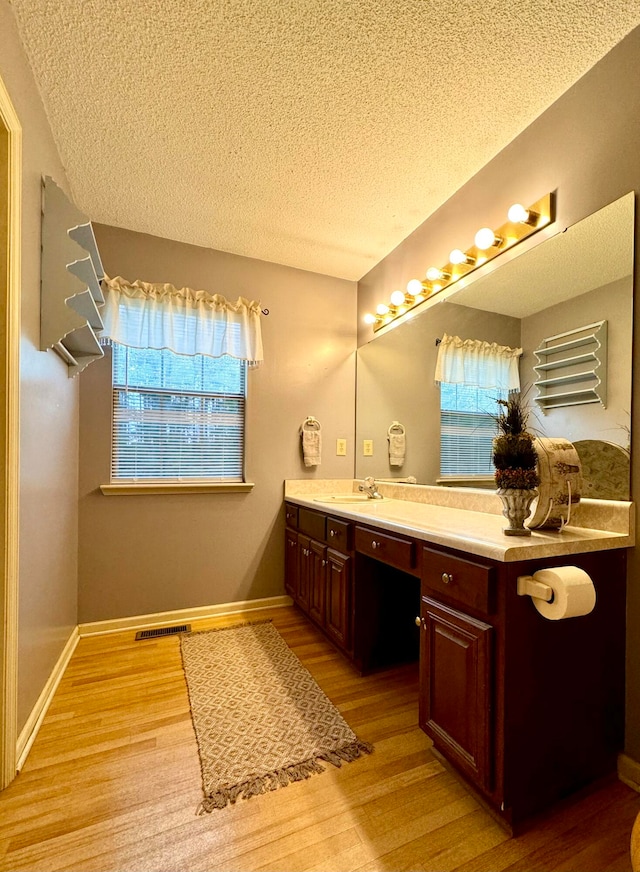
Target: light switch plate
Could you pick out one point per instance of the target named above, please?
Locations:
(367, 447)
(341, 447)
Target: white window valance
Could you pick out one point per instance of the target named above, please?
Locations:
(478, 363)
(145, 315)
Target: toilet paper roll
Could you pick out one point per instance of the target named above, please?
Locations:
(573, 593)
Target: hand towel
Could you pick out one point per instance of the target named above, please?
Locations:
(397, 444)
(311, 442)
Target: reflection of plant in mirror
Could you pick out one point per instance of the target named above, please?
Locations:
(514, 456)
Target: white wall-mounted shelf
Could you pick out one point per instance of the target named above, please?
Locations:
(554, 356)
(71, 273)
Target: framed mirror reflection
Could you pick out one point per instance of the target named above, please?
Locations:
(577, 278)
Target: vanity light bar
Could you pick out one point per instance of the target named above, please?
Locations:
(521, 223)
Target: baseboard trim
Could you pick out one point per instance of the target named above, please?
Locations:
(181, 616)
(34, 721)
(629, 771)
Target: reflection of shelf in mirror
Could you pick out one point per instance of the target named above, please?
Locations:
(84, 304)
(593, 335)
(567, 346)
(567, 361)
(567, 379)
(569, 398)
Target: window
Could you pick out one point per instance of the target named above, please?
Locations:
(177, 418)
(467, 429)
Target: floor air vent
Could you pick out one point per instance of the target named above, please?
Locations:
(158, 632)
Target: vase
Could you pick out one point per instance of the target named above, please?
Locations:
(516, 504)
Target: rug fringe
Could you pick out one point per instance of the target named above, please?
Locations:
(348, 753)
(282, 777)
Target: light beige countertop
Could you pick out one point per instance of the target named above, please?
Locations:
(469, 520)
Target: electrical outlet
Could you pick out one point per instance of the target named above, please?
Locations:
(367, 447)
(341, 447)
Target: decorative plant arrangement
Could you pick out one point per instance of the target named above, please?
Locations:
(515, 458)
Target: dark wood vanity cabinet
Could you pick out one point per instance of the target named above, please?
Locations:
(291, 563)
(457, 668)
(337, 615)
(317, 556)
(456, 658)
(526, 709)
(318, 576)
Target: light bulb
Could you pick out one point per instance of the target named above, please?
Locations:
(369, 318)
(485, 238)
(397, 298)
(458, 256)
(415, 287)
(435, 275)
(381, 309)
(517, 214)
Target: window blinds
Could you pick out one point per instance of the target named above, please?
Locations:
(466, 443)
(177, 418)
(467, 429)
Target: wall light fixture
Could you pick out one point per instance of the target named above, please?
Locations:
(522, 222)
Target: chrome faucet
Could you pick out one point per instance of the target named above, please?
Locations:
(370, 488)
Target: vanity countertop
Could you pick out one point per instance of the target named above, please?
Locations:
(468, 521)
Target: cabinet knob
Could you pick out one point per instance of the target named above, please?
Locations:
(417, 621)
(375, 545)
(332, 533)
(447, 578)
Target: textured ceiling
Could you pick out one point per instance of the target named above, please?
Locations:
(312, 133)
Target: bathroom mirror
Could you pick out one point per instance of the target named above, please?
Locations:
(576, 278)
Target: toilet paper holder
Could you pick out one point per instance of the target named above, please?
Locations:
(527, 585)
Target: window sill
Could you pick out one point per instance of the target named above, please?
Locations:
(482, 481)
(133, 488)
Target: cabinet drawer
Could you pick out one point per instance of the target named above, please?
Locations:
(291, 515)
(339, 534)
(459, 581)
(388, 549)
(312, 523)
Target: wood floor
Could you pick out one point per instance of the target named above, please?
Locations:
(113, 783)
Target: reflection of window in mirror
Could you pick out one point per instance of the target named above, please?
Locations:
(467, 428)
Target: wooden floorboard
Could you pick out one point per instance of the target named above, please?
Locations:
(112, 783)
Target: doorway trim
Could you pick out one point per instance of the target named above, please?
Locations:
(10, 272)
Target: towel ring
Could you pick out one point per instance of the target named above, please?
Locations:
(310, 423)
(397, 429)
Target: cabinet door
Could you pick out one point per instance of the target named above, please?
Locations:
(456, 688)
(338, 605)
(291, 563)
(317, 581)
(304, 572)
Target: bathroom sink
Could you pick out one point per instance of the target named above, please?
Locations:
(347, 498)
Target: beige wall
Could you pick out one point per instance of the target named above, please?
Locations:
(48, 417)
(395, 382)
(585, 147)
(142, 554)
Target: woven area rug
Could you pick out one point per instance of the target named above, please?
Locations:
(260, 719)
